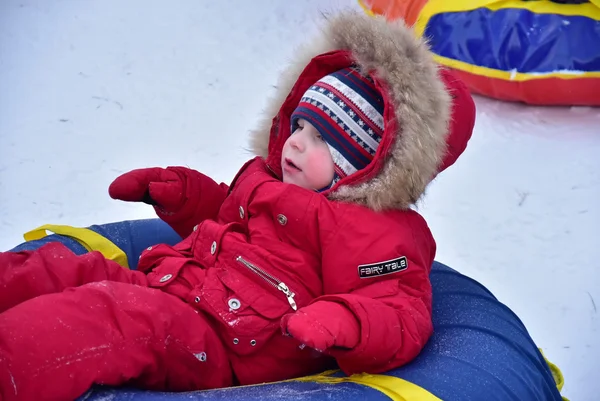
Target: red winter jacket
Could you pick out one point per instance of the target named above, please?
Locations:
(327, 254)
(355, 258)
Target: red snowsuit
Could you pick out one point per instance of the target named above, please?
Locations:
(352, 262)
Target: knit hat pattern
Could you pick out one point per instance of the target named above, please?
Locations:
(347, 110)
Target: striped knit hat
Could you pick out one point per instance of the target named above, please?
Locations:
(347, 110)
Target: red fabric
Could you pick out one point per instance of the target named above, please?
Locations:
(550, 91)
(292, 235)
(316, 250)
(462, 118)
(110, 329)
(182, 197)
(322, 325)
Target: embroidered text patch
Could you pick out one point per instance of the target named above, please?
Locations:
(383, 268)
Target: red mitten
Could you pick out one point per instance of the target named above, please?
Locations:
(182, 197)
(155, 186)
(323, 325)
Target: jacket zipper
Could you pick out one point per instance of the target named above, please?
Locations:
(274, 282)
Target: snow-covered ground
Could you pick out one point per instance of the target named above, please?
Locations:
(91, 89)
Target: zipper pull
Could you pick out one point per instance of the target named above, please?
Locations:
(290, 295)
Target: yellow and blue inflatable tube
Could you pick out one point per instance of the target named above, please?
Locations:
(480, 350)
(539, 52)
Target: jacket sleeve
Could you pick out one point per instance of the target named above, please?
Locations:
(390, 314)
(202, 199)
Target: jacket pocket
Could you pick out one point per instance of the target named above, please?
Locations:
(248, 313)
(266, 302)
(176, 276)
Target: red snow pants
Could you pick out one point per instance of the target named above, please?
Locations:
(68, 322)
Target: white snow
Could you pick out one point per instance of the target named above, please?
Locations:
(91, 89)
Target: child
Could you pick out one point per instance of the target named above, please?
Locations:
(311, 255)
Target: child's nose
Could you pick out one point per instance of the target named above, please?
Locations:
(297, 142)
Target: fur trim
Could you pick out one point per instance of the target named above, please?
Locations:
(420, 99)
(259, 137)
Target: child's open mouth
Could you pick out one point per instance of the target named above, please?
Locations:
(291, 164)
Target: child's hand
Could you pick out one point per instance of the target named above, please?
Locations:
(323, 325)
(307, 331)
(155, 186)
(181, 197)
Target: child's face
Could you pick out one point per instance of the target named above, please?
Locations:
(306, 160)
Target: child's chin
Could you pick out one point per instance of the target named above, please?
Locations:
(289, 180)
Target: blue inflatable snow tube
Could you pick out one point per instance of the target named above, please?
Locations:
(480, 350)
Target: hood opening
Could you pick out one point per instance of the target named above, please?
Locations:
(319, 67)
(425, 128)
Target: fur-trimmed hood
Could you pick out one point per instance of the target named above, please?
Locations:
(416, 144)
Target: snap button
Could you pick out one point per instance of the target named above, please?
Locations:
(197, 299)
(195, 227)
(213, 248)
(234, 303)
(282, 219)
(241, 212)
(236, 341)
(253, 342)
(201, 356)
(149, 248)
(166, 277)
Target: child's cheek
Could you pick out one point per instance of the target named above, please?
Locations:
(317, 162)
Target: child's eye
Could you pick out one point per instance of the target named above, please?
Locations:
(320, 137)
(296, 127)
